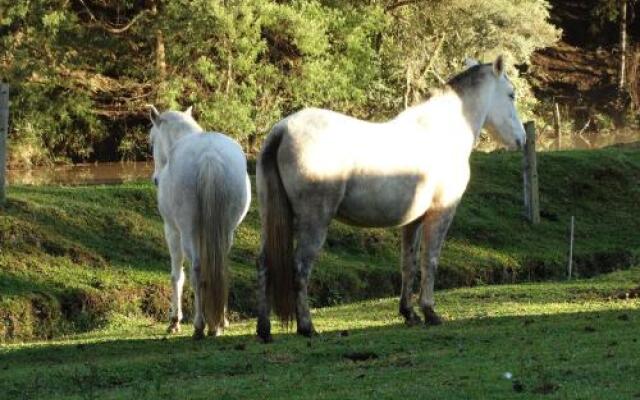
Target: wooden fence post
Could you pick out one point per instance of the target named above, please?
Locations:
(530, 175)
(4, 130)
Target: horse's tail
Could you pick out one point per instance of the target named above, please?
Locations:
(214, 230)
(277, 228)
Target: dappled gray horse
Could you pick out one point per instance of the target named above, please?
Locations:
(317, 165)
(203, 194)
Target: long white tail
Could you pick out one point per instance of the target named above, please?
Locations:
(215, 227)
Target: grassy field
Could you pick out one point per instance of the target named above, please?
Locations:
(568, 340)
(77, 259)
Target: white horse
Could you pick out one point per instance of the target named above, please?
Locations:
(203, 194)
(411, 172)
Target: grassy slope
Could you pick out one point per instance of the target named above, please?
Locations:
(573, 340)
(73, 258)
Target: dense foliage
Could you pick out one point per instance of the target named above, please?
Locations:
(81, 71)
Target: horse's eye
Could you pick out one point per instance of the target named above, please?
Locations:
(512, 96)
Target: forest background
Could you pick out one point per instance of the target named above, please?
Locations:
(82, 71)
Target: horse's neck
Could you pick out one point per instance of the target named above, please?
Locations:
(450, 115)
(441, 119)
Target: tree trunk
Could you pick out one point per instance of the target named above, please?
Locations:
(161, 63)
(623, 45)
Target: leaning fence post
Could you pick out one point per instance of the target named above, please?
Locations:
(570, 264)
(530, 175)
(556, 125)
(4, 130)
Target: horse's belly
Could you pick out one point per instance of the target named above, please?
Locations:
(384, 201)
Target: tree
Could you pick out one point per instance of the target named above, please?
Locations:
(83, 70)
(617, 11)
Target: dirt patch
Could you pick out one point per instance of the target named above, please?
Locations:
(633, 293)
(86, 309)
(155, 302)
(601, 262)
(517, 386)
(358, 356)
(546, 388)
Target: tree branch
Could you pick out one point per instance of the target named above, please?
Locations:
(401, 3)
(434, 57)
(112, 28)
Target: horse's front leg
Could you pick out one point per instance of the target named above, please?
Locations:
(436, 224)
(409, 261)
(311, 237)
(177, 277)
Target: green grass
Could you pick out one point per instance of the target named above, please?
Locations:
(564, 340)
(76, 259)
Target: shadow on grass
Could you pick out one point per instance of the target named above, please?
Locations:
(529, 326)
(538, 349)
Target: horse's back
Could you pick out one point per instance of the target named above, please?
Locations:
(371, 174)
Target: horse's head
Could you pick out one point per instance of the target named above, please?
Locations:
(502, 118)
(166, 129)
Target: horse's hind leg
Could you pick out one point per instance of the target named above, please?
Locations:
(190, 248)
(436, 225)
(409, 260)
(311, 237)
(198, 319)
(264, 305)
(177, 276)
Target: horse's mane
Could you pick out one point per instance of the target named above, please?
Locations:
(459, 83)
(180, 118)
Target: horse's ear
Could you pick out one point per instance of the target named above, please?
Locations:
(498, 66)
(154, 115)
(470, 62)
(189, 111)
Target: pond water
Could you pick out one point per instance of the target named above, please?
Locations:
(582, 141)
(119, 172)
(83, 174)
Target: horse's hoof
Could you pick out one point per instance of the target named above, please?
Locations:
(410, 316)
(413, 320)
(198, 334)
(174, 325)
(431, 318)
(265, 339)
(264, 330)
(214, 332)
(307, 331)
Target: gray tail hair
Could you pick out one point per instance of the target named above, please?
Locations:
(214, 234)
(277, 231)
